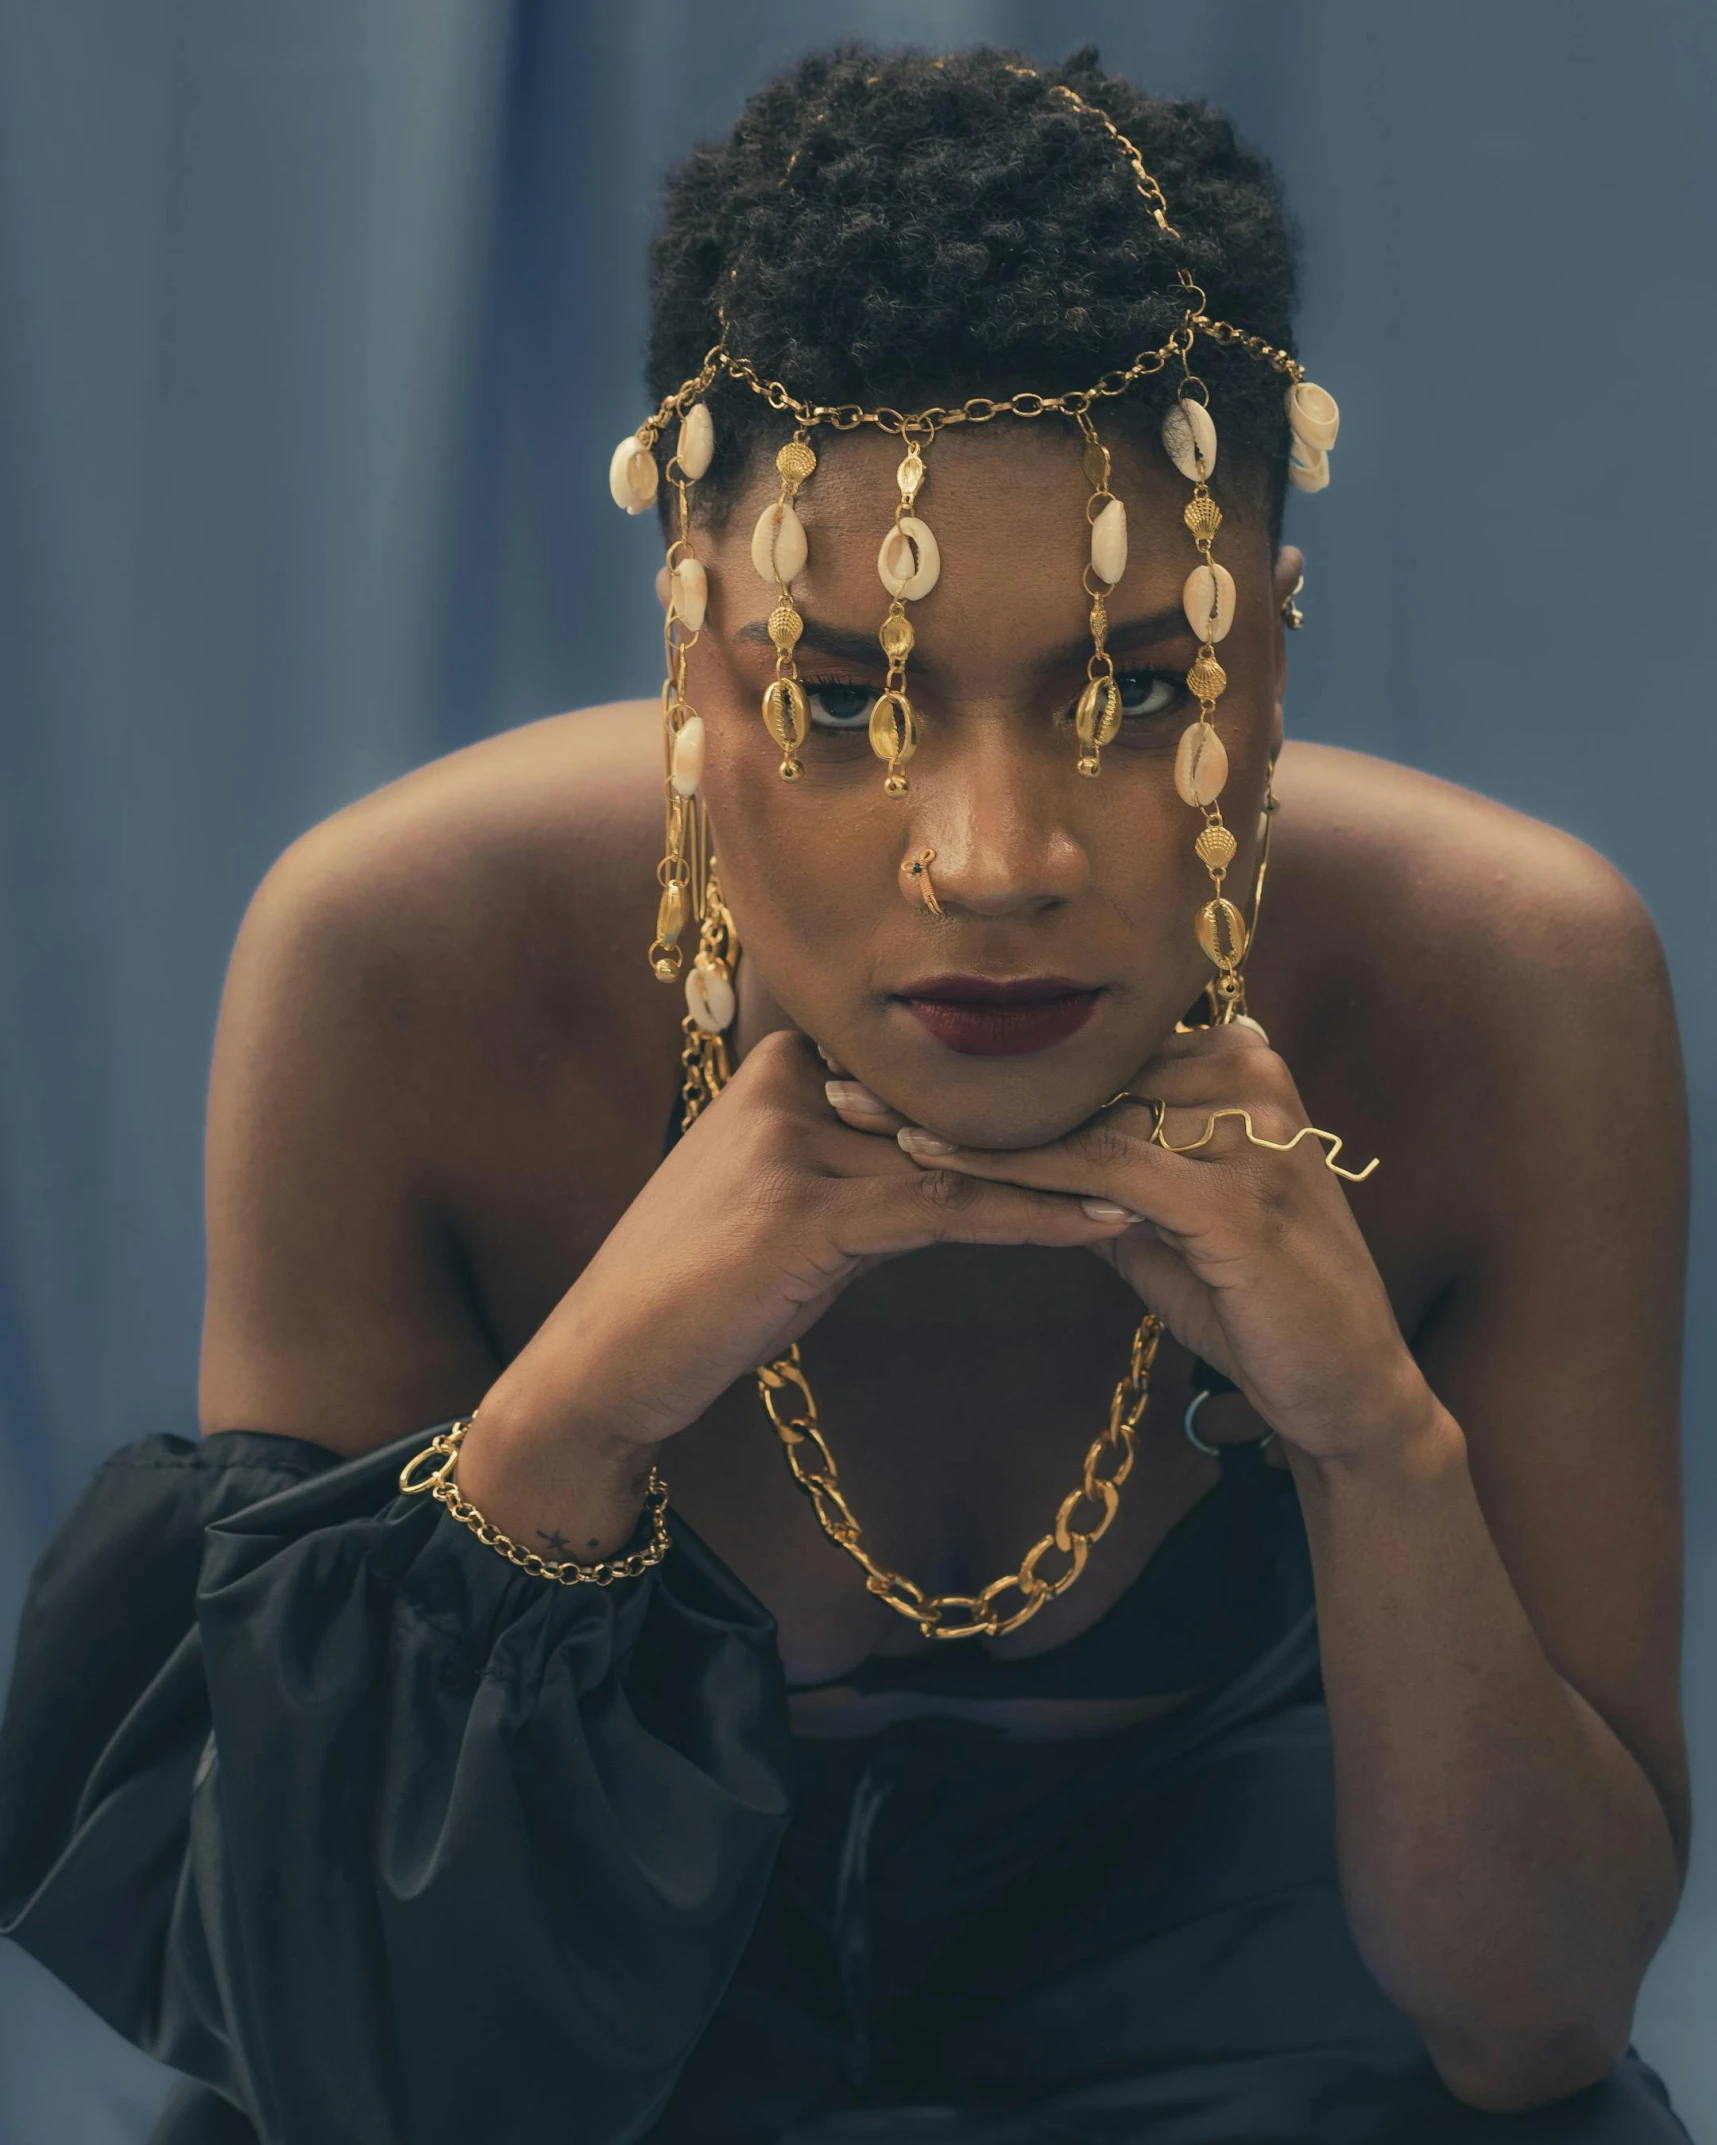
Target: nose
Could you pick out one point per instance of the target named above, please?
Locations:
(996, 812)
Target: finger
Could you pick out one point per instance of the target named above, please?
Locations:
(888, 1216)
(1228, 1040)
(855, 1105)
(1184, 1196)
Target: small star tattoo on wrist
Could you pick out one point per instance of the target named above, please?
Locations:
(556, 1541)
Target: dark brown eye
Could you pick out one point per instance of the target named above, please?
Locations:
(1147, 692)
(838, 706)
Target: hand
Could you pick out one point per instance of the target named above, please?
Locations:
(1251, 1258)
(754, 1223)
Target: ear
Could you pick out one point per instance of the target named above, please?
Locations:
(1290, 566)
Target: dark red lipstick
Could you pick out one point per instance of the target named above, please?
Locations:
(997, 1017)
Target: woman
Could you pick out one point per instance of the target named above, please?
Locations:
(1319, 1775)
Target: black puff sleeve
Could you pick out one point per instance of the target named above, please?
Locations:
(317, 1799)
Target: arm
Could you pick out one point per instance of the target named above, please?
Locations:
(1495, 1523)
(1499, 1602)
(340, 1813)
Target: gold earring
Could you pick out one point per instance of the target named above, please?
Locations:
(1201, 762)
(908, 565)
(1292, 616)
(684, 832)
(918, 868)
(778, 551)
(1098, 714)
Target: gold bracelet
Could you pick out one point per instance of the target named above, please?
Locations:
(444, 1449)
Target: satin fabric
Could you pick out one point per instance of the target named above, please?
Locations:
(380, 1840)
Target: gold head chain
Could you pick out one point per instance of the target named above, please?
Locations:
(909, 566)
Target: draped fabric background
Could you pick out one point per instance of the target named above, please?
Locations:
(317, 322)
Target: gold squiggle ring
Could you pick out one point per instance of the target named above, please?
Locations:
(1331, 1142)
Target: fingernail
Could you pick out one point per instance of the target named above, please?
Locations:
(1106, 1210)
(1245, 1020)
(849, 1095)
(916, 1142)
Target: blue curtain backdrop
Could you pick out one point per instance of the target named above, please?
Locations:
(317, 322)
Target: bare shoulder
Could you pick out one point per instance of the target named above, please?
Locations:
(427, 987)
(1512, 915)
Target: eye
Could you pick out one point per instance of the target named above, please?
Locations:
(839, 705)
(1148, 692)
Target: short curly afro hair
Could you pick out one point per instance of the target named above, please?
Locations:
(895, 228)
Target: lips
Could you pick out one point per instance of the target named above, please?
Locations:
(996, 1017)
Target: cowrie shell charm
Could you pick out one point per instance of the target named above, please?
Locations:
(1189, 440)
(909, 563)
(696, 449)
(1109, 543)
(1200, 764)
(632, 475)
(687, 770)
(1208, 599)
(709, 996)
(778, 547)
(1314, 415)
(690, 587)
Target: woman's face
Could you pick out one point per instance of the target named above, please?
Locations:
(1042, 873)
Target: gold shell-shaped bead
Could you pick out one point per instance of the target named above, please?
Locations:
(796, 460)
(1215, 847)
(1109, 543)
(1207, 680)
(778, 542)
(909, 475)
(1208, 599)
(709, 995)
(785, 627)
(786, 715)
(687, 770)
(893, 728)
(1308, 467)
(691, 592)
(897, 637)
(1095, 463)
(632, 475)
(1202, 515)
(1200, 764)
(1189, 440)
(1222, 932)
(671, 913)
(1098, 715)
(910, 560)
(1313, 413)
(696, 449)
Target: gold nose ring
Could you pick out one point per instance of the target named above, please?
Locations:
(919, 868)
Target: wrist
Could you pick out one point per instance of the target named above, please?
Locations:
(564, 1489)
(1403, 1433)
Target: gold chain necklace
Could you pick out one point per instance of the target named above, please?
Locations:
(703, 1059)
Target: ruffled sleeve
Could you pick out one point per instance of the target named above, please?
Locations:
(320, 1801)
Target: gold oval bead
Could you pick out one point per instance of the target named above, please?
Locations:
(893, 728)
(785, 627)
(1095, 463)
(786, 715)
(1099, 620)
(796, 461)
(897, 637)
(1207, 680)
(1098, 715)
(671, 913)
(1222, 933)
(1216, 847)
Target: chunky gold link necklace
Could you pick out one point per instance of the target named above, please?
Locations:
(792, 1409)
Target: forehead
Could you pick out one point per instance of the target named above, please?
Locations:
(1007, 503)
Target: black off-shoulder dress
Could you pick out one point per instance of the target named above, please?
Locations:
(382, 1842)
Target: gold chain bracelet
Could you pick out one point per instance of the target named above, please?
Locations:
(814, 1469)
(439, 1482)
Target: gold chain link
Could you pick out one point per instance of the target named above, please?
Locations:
(979, 1615)
(439, 1482)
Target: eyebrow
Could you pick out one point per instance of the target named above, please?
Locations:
(862, 650)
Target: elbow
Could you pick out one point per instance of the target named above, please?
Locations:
(1515, 2079)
